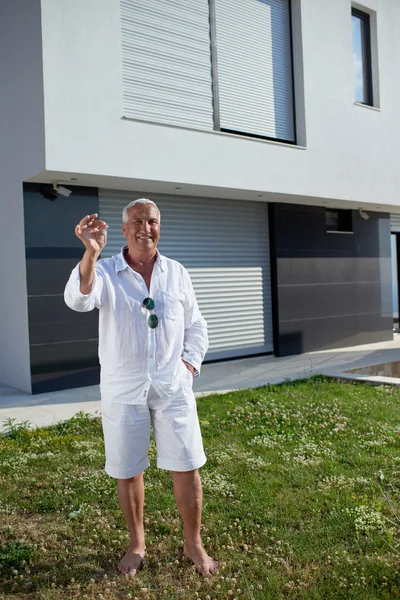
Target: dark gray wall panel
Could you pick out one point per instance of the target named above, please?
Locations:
(67, 331)
(47, 275)
(332, 290)
(63, 343)
(311, 269)
(61, 356)
(319, 300)
(63, 380)
(52, 309)
(329, 332)
(48, 223)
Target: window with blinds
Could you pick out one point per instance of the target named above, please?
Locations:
(166, 63)
(254, 58)
(223, 64)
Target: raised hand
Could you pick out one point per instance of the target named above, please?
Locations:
(92, 233)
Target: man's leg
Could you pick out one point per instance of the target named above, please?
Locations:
(189, 498)
(131, 499)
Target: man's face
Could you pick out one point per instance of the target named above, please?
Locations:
(142, 229)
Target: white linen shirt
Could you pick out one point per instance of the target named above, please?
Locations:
(133, 356)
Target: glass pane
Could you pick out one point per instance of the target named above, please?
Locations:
(359, 84)
(332, 220)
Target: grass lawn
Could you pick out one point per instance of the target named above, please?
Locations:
(301, 500)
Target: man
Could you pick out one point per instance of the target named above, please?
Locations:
(152, 341)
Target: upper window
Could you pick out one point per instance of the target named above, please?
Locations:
(210, 64)
(254, 88)
(360, 22)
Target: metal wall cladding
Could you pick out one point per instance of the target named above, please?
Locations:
(395, 223)
(167, 62)
(255, 67)
(333, 290)
(224, 244)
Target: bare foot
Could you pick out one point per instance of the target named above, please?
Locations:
(204, 563)
(131, 562)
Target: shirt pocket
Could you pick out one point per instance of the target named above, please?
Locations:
(173, 306)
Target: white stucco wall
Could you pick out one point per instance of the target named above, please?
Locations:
(22, 155)
(350, 154)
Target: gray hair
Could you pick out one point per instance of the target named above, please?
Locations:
(133, 203)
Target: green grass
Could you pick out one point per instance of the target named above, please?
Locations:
(301, 501)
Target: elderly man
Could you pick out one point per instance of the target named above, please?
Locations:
(152, 341)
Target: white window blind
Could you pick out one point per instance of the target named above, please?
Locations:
(167, 62)
(253, 42)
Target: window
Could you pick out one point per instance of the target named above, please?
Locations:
(360, 23)
(212, 65)
(339, 221)
(254, 89)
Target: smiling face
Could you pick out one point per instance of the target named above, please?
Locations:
(142, 229)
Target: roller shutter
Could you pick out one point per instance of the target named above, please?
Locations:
(253, 40)
(395, 223)
(166, 61)
(224, 245)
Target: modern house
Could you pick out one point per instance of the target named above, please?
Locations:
(266, 131)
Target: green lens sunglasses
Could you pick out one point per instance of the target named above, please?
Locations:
(152, 321)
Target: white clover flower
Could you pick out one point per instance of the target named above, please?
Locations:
(340, 482)
(266, 441)
(219, 484)
(256, 462)
(367, 520)
(308, 453)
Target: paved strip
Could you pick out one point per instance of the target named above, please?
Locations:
(47, 409)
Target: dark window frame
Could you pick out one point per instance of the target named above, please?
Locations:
(366, 54)
(344, 220)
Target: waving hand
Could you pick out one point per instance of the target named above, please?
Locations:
(92, 232)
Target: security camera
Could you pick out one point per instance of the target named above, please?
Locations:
(364, 215)
(48, 191)
(63, 191)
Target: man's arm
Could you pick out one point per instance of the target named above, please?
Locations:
(84, 290)
(80, 301)
(87, 271)
(195, 343)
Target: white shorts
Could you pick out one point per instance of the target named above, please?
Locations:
(126, 429)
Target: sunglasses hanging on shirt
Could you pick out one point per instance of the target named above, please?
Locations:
(152, 321)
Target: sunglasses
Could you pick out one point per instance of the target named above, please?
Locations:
(152, 321)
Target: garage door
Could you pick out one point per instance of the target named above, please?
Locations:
(224, 245)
